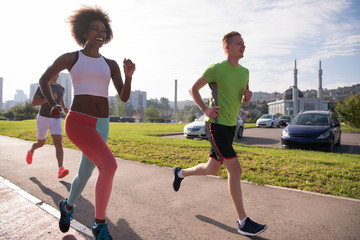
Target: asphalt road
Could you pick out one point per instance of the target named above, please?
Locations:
(143, 204)
(271, 137)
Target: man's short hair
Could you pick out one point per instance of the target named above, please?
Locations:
(227, 39)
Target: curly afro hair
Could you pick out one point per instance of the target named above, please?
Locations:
(81, 19)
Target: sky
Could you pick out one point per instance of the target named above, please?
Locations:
(179, 39)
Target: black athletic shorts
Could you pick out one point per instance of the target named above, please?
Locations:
(221, 138)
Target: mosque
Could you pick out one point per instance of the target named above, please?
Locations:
(293, 100)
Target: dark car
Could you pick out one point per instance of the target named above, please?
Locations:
(312, 129)
(284, 120)
(127, 119)
(114, 119)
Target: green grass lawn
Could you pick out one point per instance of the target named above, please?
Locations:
(328, 173)
(347, 128)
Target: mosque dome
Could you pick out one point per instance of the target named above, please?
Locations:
(288, 94)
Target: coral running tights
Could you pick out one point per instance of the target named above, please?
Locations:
(90, 134)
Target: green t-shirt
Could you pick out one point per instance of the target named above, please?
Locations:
(227, 84)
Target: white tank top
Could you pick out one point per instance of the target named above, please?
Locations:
(90, 76)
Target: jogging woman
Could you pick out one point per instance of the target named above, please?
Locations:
(87, 123)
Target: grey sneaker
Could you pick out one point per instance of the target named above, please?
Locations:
(251, 228)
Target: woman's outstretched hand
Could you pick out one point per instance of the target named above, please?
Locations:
(129, 68)
(55, 111)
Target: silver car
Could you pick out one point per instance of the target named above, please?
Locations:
(268, 120)
(196, 129)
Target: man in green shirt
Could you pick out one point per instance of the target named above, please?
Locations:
(229, 84)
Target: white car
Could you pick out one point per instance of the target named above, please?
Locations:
(196, 129)
(268, 120)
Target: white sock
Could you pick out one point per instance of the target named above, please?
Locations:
(180, 174)
(242, 221)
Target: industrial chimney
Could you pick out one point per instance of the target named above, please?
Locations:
(295, 93)
(320, 90)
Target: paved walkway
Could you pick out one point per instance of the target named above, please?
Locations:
(26, 217)
(144, 206)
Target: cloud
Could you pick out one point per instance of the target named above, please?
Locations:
(178, 39)
(342, 46)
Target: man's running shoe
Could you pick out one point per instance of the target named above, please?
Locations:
(100, 231)
(251, 228)
(65, 217)
(63, 172)
(177, 180)
(29, 157)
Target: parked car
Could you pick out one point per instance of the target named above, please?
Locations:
(114, 119)
(196, 129)
(284, 120)
(268, 120)
(121, 119)
(127, 119)
(312, 129)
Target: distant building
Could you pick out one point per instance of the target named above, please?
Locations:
(137, 99)
(20, 96)
(33, 88)
(9, 104)
(293, 101)
(1, 94)
(65, 81)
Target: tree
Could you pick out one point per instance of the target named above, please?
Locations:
(26, 111)
(151, 113)
(264, 108)
(9, 115)
(163, 105)
(349, 110)
(111, 110)
(189, 113)
(332, 105)
(120, 106)
(153, 102)
(129, 110)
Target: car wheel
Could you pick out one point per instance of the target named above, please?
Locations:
(278, 125)
(240, 132)
(339, 141)
(272, 125)
(331, 146)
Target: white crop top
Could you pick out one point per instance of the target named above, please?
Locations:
(90, 76)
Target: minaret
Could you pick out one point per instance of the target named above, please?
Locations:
(320, 90)
(295, 93)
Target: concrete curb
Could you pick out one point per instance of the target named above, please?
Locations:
(47, 208)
